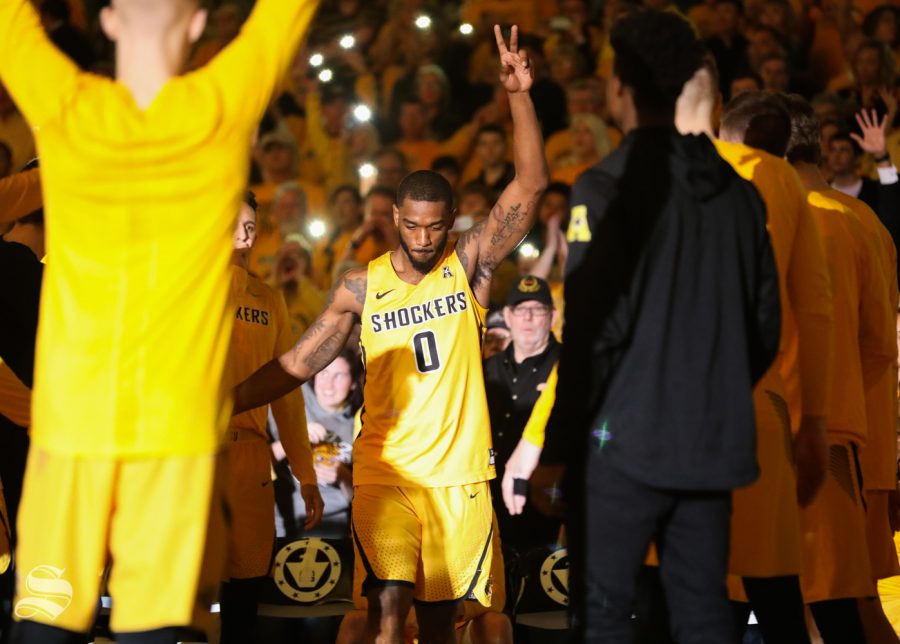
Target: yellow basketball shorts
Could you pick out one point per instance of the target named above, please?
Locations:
(157, 520)
(765, 518)
(436, 541)
(833, 534)
(251, 504)
(880, 537)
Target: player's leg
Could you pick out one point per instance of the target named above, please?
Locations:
(63, 527)
(491, 628)
(167, 546)
(251, 536)
(836, 569)
(778, 605)
(621, 520)
(457, 556)
(387, 538)
(353, 627)
(693, 554)
(437, 621)
(883, 558)
(838, 621)
(386, 615)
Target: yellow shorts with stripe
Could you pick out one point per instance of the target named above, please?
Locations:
(158, 520)
(251, 505)
(437, 541)
(833, 534)
(882, 553)
(765, 518)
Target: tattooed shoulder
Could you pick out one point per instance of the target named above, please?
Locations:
(356, 282)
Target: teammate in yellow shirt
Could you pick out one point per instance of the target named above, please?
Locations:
(142, 177)
(878, 459)
(262, 331)
(422, 508)
(836, 570)
(765, 533)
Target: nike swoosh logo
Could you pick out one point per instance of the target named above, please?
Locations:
(472, 496)
(378, 296)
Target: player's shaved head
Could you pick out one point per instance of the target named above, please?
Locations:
(758, 119)
(426, 185)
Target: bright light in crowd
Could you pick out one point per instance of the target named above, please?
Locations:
(423, 22)
(326, 75)
(466, 29)
(529, 251)
(367, 171)
(316, 228)
(362, 113)
(316, 59)
(347, 42)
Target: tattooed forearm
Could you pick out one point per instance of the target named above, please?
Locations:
(325, 351)
(509, 223)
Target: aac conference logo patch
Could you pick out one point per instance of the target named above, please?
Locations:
(555, 576)
(48, 594)
(307, 570)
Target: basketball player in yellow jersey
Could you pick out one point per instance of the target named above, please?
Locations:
(262, 331)
(764, 554)
(422, 508)
(837, 571)
(142, 177)
(878, 459)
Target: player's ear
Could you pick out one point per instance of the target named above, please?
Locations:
(396, 215)
(452, 219)
(109, 23)
(198, 24)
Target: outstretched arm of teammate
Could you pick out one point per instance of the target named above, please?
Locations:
(321, 344)
(20, 195)
(484, 246)
(38, 76)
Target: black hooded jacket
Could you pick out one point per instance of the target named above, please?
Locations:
(672, 315)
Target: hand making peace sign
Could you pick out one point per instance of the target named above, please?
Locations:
(516, 73)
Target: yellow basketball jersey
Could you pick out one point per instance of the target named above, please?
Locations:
(425, 419)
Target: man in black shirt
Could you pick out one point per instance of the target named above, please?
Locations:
(514, 379)
(672, 315)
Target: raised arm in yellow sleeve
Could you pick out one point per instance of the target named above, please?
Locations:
(20, 195)
(254, 63)
(289, 411)
(540, 413)
(38, 76)
(809, 288)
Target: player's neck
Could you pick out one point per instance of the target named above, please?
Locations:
(404, 267)
(145, 65)
(811, 176)
(698, 122)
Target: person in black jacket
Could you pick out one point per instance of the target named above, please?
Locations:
(672, 315)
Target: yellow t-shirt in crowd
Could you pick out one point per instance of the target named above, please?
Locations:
(804, 364)
(878, 459)
(425, 421)
(140, 207)
(858, 296)
(262, 331)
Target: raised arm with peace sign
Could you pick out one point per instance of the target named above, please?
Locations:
(485, 245)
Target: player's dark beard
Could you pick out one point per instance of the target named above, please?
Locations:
(424, 267)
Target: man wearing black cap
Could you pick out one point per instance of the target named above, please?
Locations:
(514, 379)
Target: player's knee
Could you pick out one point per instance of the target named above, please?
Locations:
(388, 606)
